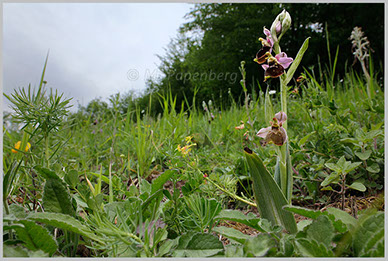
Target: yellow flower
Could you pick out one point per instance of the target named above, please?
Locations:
(18, 144)
(188, 139)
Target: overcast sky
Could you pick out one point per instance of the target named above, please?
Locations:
(95, 49)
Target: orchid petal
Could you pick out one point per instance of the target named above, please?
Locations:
(263, 132)
(278, 27)
(269, 37)
(265, 66)
(281, 116)
(267, 32)
(284, 60)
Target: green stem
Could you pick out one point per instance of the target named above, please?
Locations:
(47, 151)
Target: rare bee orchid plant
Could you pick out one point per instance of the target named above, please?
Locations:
(272, 192)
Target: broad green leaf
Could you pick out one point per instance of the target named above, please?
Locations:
(374, 168)
(311, 248)
(351, 140)
(111, 208)
(258, 246)
(71, 178)
(303, 223)
(332, 178)
(18, 211)
(231, 233)
(351, 167)
(14, 251)
(234, 251)
(368, 229)
(36, 237)
(198, 245)
(64, 222)
(358, 186)
(296, 62)
(237, 216)
(303, 211)
(159, 181)
(321, 230)
(341, 164)
(56, 197)
(46, 173)
(372, 134)
(268, 195)
(166, 247)
(374, 247)
(339, 214)
(304, 139)
(328, 188)
(333, 167)
(363, 155)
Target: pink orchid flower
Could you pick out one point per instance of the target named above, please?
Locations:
(275, 134)
(277, 65)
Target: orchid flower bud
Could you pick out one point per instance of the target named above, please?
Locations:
(280, 25)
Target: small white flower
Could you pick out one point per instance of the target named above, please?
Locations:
(272, 92)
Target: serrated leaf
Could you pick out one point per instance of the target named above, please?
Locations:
(231, 233)
(234, 251)
(258, 246)
(17, 211)
(14, 251)
(358, 186)
(296, 62)
(374, 247)
(36, 237)
(339, 214)
(321, 230)
(198, 245)
(367, 229)
(270, 199)
(363, 155)
(311, 248)
(250, 220)
(303, 223)
(56, 197)
(64, 222)
(303, 211)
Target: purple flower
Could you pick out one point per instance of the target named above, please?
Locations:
(276, 65)
(275, 134)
